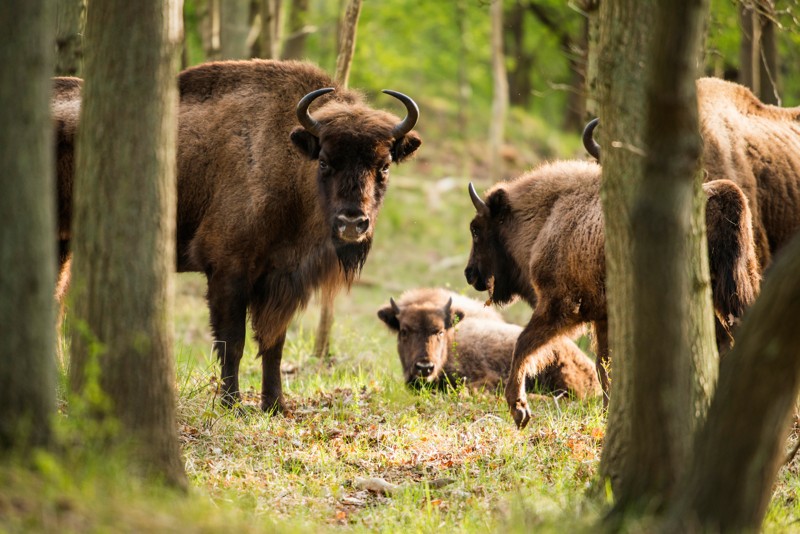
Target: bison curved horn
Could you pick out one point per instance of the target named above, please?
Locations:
(589, 143)
(304, 116)
(408, 123)
(477, 201)
(395, 307)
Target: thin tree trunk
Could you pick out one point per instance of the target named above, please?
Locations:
(124, 224)
(758, 57)
(69, 31)
(591, 9)
(210, 28)
(497, 122)
(27, 234)
(235, 27)
(343, 62)
(271, 25)
(347, 41)
(519, 78)
(463, 80)
(295, 45)
(741, 446)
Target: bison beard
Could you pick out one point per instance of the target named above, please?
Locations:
(280, 179)
(352, 257)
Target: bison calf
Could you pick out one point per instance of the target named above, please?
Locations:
(445, 339)
(540, 237)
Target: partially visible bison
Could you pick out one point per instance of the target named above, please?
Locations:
(755, 145)
(280, 178)
(445, 339)
(541, 237)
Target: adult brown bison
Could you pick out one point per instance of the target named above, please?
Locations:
(268, 209)
(540, 237)
(445, 339)
(755, 145)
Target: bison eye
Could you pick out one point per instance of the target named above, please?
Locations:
(323, 165)
(385, 169)
(440, 333)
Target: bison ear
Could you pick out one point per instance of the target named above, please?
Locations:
(306, 142)
(388, 315)
(498, 203)
(405, 146)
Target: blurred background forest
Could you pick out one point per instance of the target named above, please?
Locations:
(440, 52)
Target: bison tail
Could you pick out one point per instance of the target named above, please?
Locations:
(735, 272)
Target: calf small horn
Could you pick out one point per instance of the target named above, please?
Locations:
(477, 201)
(395, 307)
(589, 143)
(304, 116)
(408, 123)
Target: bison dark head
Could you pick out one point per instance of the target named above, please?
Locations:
(490, 266)
(424, 333)
(355, 146)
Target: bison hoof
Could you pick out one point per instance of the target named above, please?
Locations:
(521, 413)
(273, 406)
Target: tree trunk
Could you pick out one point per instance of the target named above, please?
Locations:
(347, 41)
(655, 245)
(69, 29)
(235, 27)
(27, 235)
(271, 29)
(497, 123)
(519, 77)
(124, 224)
(591, 9)
(740, 448)
(208, 13)
(758, 56)
(295, 45)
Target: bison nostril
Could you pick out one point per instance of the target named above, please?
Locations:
(351, 228)
(424, 368)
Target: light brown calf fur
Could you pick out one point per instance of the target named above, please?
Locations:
(445, 339)
(274, 200)
(540, 237)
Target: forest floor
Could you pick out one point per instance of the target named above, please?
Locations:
(358, 450)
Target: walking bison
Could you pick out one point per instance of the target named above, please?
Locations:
(755, 145)
(445, 339)
(281, 174)
(540, 237)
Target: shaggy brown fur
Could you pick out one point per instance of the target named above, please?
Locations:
(261, 200)
(541, 237)
(756, 146)
(446, 339)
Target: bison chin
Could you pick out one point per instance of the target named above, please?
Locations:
(352, 256)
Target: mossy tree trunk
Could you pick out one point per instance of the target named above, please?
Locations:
(124, 224)
(660, 315)
(28, 231)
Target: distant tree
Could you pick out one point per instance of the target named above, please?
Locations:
(27, 238)
(209, 27)
(69, 32)
(124, 224)
(234, 29)
(497, 121)
(271, 29)
(661, 325)
(758, 53)
(347, 40)
(298, 29)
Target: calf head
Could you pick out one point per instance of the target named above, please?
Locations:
(490, 267)
(354, 146)
(424, 333)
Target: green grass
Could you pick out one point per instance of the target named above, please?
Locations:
(457, 460)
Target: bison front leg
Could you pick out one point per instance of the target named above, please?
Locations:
(529, 359)
(271, 389)
(227, 303)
